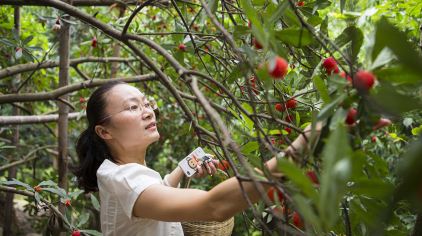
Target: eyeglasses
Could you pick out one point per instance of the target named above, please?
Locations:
(135, 109)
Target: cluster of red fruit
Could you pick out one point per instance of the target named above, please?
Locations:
(364, 80)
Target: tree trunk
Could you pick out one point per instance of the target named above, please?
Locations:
(9, 210)
(64, 48)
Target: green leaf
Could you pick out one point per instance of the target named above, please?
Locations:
(297, 37)
(351, 35)
(250, 147)
(278, 12)
(329, 109)
(47, 183)
(374, 188)
(83, 218)
(27, 39)
(388, 36)
(57, 191)
(391, 100)
(336, 172)
(95, 202)
(322, 89)
(19, 183)
(91, 232)
(417, 130)
(8, 42)
(297, 177)
(398, 75)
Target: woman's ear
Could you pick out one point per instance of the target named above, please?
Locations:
(102, 132)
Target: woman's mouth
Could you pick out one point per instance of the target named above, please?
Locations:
(151, 126)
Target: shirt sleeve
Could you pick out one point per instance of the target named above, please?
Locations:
(128, 182)
(166, 182)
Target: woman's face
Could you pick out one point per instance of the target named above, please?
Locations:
(130, 129)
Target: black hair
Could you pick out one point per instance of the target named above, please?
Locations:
(90, 148)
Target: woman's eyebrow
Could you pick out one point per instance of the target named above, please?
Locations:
(143, 98)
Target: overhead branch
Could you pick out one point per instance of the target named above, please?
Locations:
(35, 119)
(16, 69)
(43, 96)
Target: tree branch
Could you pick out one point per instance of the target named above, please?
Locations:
(13, 70)
(43, 96)
(35, 119)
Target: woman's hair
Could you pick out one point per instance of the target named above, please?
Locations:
(90, 148)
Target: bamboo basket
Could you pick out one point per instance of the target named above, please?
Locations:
(208, 228)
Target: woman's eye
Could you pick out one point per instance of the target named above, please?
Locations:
(133, 108)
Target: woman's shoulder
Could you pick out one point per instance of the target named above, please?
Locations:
(109, 169)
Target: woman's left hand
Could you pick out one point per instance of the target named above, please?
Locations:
(207, 168)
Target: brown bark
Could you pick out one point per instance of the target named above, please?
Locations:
(64, 52)
(21, 68)
(9, 206)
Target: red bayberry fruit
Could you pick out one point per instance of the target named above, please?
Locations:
(291, 103)
(249, 24)
(330, 65)
(277, 67)
(67, 202)
(288, 130)
(382, 122)
(76, 233)
(297, 221)
(94, 42)
(300, 4)
(351, 116)
(182, 47)
(312, 176)
(373, 139)
(273, 193)
(37, 189)
(82, 100)
(364, 80)
(279, 107)
(223, 165)
(272, 139)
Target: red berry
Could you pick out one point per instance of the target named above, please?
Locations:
(312, 176)
(82, 100)
(382, 122)
(277, 67)
(297, 221)
(330, 66)
(249, 24)
(291, 103)
(373, 139)
(256, 44)
(300, 4)
(182, 47)
(343, 74)
(67, 202)
(37, 189)
(273, 193)
(223, 165)
(94, 42)
(76, 233)
(288, 130)
(279, 107)
(364, 80)
(351, 116)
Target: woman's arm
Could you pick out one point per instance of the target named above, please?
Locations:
(223, 201)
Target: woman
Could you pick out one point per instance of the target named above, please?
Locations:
(135, 200)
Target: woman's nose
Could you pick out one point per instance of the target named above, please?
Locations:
(147, 113)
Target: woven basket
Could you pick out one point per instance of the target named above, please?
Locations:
(208, 228)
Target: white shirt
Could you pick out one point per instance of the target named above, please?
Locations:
(119, 187)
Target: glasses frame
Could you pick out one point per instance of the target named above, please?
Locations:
(151, 101)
